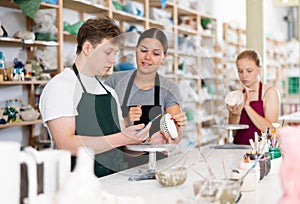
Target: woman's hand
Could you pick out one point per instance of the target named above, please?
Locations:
(134, 114)
(235, 110)
(180, 119)
(137, 133)
(157, 137)
(246, 92)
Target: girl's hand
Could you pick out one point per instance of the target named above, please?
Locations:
(235, 110)
(160, 137)
(180, 119)
(247, 92)
(157, 137)
(135, 113)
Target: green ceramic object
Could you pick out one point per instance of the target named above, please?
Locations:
(29, 7)
(118, 6)
(189, 115)
(45, 37)
(12, 114)
(275, 153)
(205, 22)
(74, 28)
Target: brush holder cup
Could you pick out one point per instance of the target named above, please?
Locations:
(264, 163)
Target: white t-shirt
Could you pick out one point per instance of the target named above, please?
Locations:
(63, 92)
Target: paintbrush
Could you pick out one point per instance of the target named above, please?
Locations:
(152, 120)
(155, 118)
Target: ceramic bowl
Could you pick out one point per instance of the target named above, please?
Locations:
(29, 115)
(217, 191)
(234, 98)
(171, 176)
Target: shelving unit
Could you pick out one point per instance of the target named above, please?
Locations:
(283, 72)
(30, 86)
(275, 62)
(234, 43)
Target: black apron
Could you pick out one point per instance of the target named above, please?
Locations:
(98, 116)
(148, 113)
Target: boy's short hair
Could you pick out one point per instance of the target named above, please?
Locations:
(96, 29)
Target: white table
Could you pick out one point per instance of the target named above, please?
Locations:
(290, 118)
(269, 189)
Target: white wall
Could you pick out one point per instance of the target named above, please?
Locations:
(275, 26)
(234, 11)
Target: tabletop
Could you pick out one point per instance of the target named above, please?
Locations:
(220, 161)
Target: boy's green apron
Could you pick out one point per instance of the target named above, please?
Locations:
(98, 116)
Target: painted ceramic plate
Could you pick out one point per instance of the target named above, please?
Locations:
(167, 125)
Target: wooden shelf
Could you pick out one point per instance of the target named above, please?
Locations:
(27, 42)
(124, 16)
(23, 82)
(186, 31)
(157, 4)
(85, 6)
(30, 86)
(23, 123)
(11, 4)
(69, 37)
(186, 12)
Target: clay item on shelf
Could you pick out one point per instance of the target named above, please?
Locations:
(30, 115)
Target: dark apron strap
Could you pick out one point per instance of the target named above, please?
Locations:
(260, 91)
(129, 86)
(78, 76)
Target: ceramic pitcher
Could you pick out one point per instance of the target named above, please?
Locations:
(11, 158)
(57, 166)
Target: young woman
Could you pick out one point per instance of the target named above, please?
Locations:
(143, 93)
(261, 105)
(79, 110)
